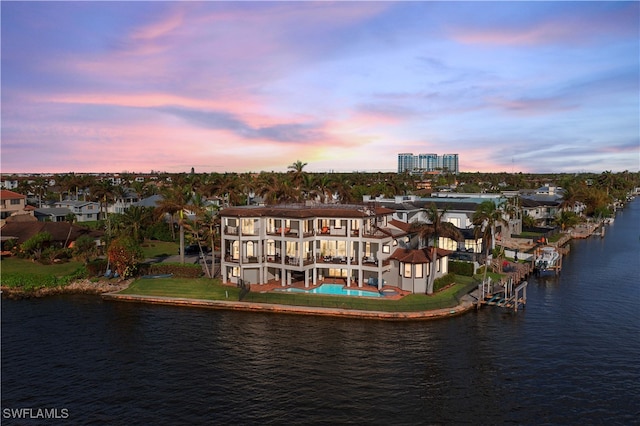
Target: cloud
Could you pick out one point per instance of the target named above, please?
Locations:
(582, 23)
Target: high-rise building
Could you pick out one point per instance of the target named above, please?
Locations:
(427, 163)
(450, 163)
(405, 162)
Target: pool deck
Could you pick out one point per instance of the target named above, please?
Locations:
(466, 305)
(275, 285)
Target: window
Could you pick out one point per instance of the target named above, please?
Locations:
(247, 226)
(419, 270)
(334, 272)
(386, 248)
(407, 270)
(14, 202)
(271, 247)
(291, 249)
(235, 271)
(250, 251)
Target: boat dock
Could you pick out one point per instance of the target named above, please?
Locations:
(505, 295)
(511, 291)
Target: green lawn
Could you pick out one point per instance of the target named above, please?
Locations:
(528, 234)
(154, 248)
(203, 288)
(191, 288)
(28, 275)
(10, 265)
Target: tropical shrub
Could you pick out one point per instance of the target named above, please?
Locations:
(34, 246)
(124, 254)
(84, 247)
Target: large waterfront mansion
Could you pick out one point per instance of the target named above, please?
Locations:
(358, 245)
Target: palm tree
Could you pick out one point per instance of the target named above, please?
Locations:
(40, 186)
(435, 228)
(484, 219)
(296, 169)
(175, 200)
(567, 219)
(323, 187)
(274, 188)
(342, 188)
(103, 191)
(211, 222)
(134, 220)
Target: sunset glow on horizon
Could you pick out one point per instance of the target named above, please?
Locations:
(534, 87)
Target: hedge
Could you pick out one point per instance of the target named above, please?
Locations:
(461, 268)
(442, 282)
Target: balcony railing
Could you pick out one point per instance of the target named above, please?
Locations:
(369, 261)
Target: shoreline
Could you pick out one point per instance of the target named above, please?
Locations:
(108, 291)
(464, 307)
(84, 286)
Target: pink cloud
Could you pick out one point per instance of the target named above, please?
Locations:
(159, 28)
(530, 107)
(151, 100)
(579, 28)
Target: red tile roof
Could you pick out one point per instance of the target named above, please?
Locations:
(301, 211)
(58, 230)
(415, 256)
(5, 194)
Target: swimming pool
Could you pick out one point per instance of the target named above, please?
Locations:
(333, 290)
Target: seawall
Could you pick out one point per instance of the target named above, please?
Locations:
(464, 306)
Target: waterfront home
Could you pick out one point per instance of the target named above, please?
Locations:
(460, 209)
(356, 245)
(309, 244)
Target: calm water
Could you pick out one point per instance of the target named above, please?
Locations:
(571, 357)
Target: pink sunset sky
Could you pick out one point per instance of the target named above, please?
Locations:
(343, 86)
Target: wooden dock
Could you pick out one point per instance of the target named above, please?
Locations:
(503, 295)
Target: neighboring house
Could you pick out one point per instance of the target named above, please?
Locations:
(11, 203)
(52, 214)
(85, 211)
(292, 243)
(9, 183)
(61, 232)
(460, 209)
(151, 201)
(121, 204)
(542, 208)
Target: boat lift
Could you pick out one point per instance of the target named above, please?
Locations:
(503, 295)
